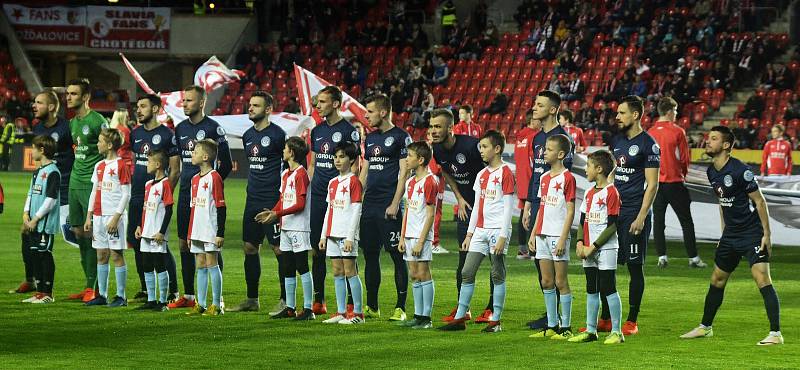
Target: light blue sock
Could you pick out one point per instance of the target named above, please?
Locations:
(163, 286)
(290, 283)
(592, 306)
(150, 284)
(340, 286)
(551, 303)
(566, 310)
(463, 300)
(308, 289)
(122, 280)
(102, 279)
(216, 285)
(499, 298)
(419, 300)
(615, 308)
(357, 292)
(427, 297)
(202, 286)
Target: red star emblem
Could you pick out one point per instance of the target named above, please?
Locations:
(419, 190)
(291, 184)
(17, 14)
(495, 181)
(111, 172)
(156, 193)
(601, 202)
(558, 186)
(205, 186)
(44, 176)
(344, 190)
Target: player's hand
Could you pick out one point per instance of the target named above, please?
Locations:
(500, 246)
(465, 244)
(526, 216)
(138, 233)
(31, 224)
(532, 244)
(766, 243)
(417, 251)
(113, 224)
(588, 250)
(322, 244)
(159, 237)
(262, 216)
(401, 245)
(560, 247)
(272, 217)
(579, 249)
(463, 206)
(218, 241)
(391, 211)
(348, 246)
(87, 226)
(637, 226)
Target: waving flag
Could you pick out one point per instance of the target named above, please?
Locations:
(309, 84)
(213, 74)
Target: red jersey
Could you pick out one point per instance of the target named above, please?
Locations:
(577, 135)
(124, 151)
(472, 129)
(523, 158)
(777, 158)
(674, 149)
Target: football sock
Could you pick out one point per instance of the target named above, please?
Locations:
(498, 301)
(48, 270)
(372, 275)
(490, 304)
(592, 306)
(400, 278)
(566, 310)
(163, 286)
(216, 284)
(121, 273)
(89, 262)
(357, 292)
(713, 301)
(252, 273)
(281, 258)
(138, 259)
(27, 259)
(291, 287)
(202, 286)
(605, 314)
(428, 293)
(464, 298)
(615, 307)
(172, 271)
(419, 301)
(551, 303)
(308, 289)
(150, 285)
(636, 291)
(462, 258)
(773, 307)
(102, 279)
(340, 287)
(188, 267)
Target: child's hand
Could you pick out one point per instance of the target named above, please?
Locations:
(579, 250)
(532, 244)
(138, 232)
(219, 241)
(348, 246)
(417, 251)
(87, 226)
(401, 245)
(159, 238)
(113, 224)
(500, 246)
(323, 243)
(465, 244)
(560, 247)
(31, 224)
(25, 219)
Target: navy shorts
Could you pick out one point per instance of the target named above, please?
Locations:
(182, 213)
(254, 232)
(632, 248)
(134, 220)
(317, 218)
(735, 245)
(377, 231)
(40, 242)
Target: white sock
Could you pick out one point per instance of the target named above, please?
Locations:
(775, 333)
(662, 258)
(188, 296)
(695, 259)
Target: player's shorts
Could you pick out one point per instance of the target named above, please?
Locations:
(148, 245)
(317, 218)
(632, 248)
(102, 239)
(134, 220)
(197, 246)
(295, 241)
(78, 206)
(484, 240)
(40, 242)
(733, 246)
(377, 231)
(603, 259)
(426, 255)
(183, 212)
(546, 248)
(335, 249)
(254, 232)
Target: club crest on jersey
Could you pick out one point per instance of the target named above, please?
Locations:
(54, 136)
(254, 151)
(409, 140)
(336, 137)
(748, 175)
(355, 136)
(453, 167)
(376, 150)
(728, 180)
(720, 191)
(220, 131)
(174, 140)
(265, 141)
(622, 160)
(201, 135)
(190, 145)
(461, 158)
(633, 150)
(146, 149)
(85, 130)
(656, 149)
(156, 139)
(389, 141)
(539, 151)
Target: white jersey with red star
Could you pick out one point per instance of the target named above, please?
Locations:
(555, 191)
(111, 181)
(598, 205)
(419, 194)
(207, 196)
(294, 187)
(157, 196)
(344, 207)
(491, 186)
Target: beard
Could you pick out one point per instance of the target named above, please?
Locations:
(257, 117)
(145, 119)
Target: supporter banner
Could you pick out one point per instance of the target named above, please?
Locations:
(213, 74)
(127, 28)
(309, 84)
(55, 25)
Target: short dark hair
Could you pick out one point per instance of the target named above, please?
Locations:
(466, 107)
(443, 112)
(635, 104)
(160, 156)
(567, 114)
(381, 101)
(666, 105)
(113, 136)
(152, 98)
(349, 149)
(563, 143)
(52, 97)
(495, 137)
(210, 147)
(199, 90)
(334, 92)
(83, 83)
(47, 144)
(268, 100)
(604, 159)
(727, 135)
(551, 95)
(298, 147)
(423, 150)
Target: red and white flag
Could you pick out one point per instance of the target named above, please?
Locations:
(309, 84)
(213, 74)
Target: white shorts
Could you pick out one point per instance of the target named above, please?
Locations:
(100, 237)
(603, 259)
(295, 241)
(484, 240)
(148, 245)
(426, 255)
(198, 246)
(335, 248)
(546, 248)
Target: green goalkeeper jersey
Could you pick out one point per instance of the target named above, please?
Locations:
(85, 132)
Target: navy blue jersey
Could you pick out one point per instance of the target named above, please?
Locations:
(264, 154)
(188, 134)
(539, 165)
(65, 155)
(732, 184)
(144, 141)
(384, 150)
(633, 156)
(324, 139)
(462, 162)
